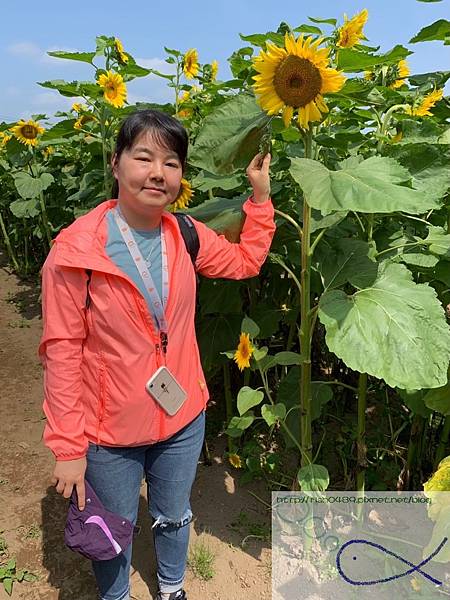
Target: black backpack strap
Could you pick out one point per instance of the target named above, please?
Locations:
(190, 235)
(88, 296)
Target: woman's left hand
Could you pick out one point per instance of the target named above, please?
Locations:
(258, 175)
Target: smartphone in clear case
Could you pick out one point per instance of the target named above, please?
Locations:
(165, 389)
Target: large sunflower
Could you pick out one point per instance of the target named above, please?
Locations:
(114, 88)
(294, 78)
(423, 109)
(351, 31)
(190, 63)
(184, 197)
(402, 72)
(27, 132)
(244, 351)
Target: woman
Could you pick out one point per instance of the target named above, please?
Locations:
(119, 294)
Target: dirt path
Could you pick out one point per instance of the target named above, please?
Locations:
(32, 515)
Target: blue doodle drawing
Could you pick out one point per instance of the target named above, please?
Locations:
(415, 568)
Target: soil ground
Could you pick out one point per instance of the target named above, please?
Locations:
(32, 514)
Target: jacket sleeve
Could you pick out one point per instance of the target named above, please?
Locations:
(60, 350)
(217, 257)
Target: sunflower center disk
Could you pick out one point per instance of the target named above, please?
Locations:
(29, 132)
(297, 81)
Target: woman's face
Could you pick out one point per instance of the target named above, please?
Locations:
(149, 176)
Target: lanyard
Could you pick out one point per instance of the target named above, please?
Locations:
(133, 248)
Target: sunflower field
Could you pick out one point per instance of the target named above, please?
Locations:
(337, 376)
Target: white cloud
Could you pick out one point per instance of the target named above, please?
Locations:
(156, 63)
(50, 102)
(32, 51)
(28, 49)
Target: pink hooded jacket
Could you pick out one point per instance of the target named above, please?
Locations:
(97, 359)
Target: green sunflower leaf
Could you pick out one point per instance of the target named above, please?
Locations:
(273, 413)
(439, 399)
(373, 185)
(427, 165)
(25, 208)
(237, 425)
(319, 20)
(415, 401)
(350, 60)
(347, 259)
(439, 241)
(395, 330)
(313, 478)
(230, 136)
(439, 30)
(87, 57)
(249, 326)
(248, 398)
(31, 187)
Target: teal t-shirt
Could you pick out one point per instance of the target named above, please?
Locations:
(149, 243)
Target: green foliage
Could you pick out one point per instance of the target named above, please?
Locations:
(439, 30)
(394, 330)
(374, 185)
(229, 137)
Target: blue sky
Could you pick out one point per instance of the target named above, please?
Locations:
(31, 28)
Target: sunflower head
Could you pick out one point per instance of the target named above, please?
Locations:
(294, 78)
(190, 63)
(184, 197)
(351, 31)
(78, 107)
(235, 460)
(401, 72)
(114, 88)
(48, 151)
(423, 109)
(244, 351)
(82, 120)
(214, 69)
(123, 58)
(27, 132)
(4, 138)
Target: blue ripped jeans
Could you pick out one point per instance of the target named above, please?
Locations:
(170, 466)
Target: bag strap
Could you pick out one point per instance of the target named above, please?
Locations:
(190, 235)
(191, 240)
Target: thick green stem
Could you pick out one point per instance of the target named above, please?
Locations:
(417, 426)
(106, 190)
(290, 220)
(228, 402)
(386, 123)
(45, 224)
(305, 325)
(8, 245)
(292, 328)
(442, 448)
(177, 86)
(361, 448)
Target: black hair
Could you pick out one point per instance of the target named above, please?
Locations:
(166, 130)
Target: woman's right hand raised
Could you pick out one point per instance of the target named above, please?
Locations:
(68, 473)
